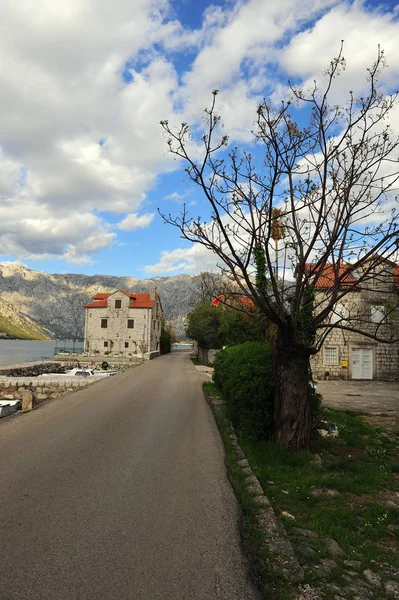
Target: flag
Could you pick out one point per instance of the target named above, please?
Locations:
(216, 301)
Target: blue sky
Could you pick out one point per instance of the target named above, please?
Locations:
(83, 163)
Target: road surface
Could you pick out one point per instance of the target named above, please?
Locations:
(119, 492)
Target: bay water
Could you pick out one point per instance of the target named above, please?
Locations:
(16, 352)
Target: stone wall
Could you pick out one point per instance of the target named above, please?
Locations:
(207, 356)
(43, 388)
(34, 369)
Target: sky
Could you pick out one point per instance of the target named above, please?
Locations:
(84, 84)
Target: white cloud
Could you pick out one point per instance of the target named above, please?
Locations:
(188, 260)
(134, 221)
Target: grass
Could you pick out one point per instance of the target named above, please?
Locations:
(350, 497)
(13, 330)
(195, 361)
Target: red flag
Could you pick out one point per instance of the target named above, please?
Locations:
(216, 301)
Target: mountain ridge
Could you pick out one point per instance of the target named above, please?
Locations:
(54, 301)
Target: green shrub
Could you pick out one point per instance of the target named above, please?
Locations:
(243, 374)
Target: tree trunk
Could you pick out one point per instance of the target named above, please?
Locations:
(292, 410)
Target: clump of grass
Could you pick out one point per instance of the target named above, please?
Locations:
(342, 497)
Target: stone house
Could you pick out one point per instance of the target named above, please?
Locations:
(372, 306)
(123, 323)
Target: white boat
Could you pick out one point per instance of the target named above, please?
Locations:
(8, 407)
(80, 372)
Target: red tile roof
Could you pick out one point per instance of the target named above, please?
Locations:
(327, 276)
(136, 300)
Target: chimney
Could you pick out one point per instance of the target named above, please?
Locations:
(153, 292)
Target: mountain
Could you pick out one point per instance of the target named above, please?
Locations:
(55, 301)
(14, 324)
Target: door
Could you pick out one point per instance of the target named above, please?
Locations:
(362, 363)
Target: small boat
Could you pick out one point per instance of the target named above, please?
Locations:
(8, 407)
(80, 372)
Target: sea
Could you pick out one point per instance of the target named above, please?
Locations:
(16, 352)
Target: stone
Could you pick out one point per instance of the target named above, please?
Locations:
(352, 564)
(270, 482)
(261, 501)
(306, 550)
(389, 569)
(287, 563)
(255, 489)
(306, 592)
(285, 492)
(333, 548)
(247, 471)
(250, 479)
(287, 515)
(392, 589)
(27, 400)
(268, 521)
(318, 459)
(242, 463)
(372, 578)
(326, 566)
(308, 533)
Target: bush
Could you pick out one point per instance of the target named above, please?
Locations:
(243, 374)
(165, 342)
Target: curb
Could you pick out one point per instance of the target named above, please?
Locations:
(277, 541)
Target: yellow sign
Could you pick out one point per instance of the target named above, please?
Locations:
(344, 363)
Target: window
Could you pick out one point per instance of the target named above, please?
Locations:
(105, 344)
(118, 303)
(339, 313)
(130, 323)
(377, 314)
(330, 355)
(104, 323)
(126, 344)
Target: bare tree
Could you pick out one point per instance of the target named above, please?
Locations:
(325, 193)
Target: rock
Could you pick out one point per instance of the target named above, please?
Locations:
(392, 589)
(389, 569)
(287, 562)
(285, 492)
(268, 522)
(318, 459)
(250, 479)
(261, 501)
(352, 564)
(270, 482)
(247, 471)
(318, 492)
(308, 593)
(332, 547)
(326, 566)
(372, 578)
(287, 515)
(308, 533)
(255, 489)
(27, 400)
(306, 550)
(242, 463)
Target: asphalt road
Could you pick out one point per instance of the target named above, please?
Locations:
(119, 491)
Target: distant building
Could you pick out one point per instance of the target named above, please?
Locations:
(123, 323)
(371, 307)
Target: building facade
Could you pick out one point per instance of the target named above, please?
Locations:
(123, 323)
(372, 307)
